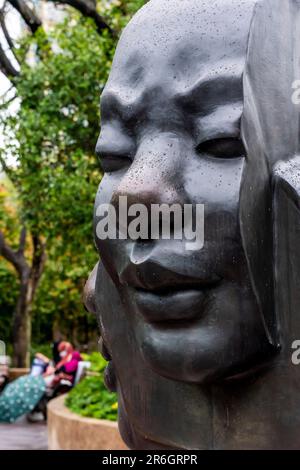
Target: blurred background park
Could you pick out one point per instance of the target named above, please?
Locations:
(55, 58)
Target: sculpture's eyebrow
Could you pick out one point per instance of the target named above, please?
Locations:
(209, 92)
(202, 97)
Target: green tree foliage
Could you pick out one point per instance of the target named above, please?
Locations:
(52, 138)
(9, 284)
(90, 398)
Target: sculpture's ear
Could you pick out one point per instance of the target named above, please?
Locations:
(286, 179)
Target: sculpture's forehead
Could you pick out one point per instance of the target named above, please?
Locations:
(177, 42)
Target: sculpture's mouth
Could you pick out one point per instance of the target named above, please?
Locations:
(180, 300)
(172, 289)
(162, 279)
(169, 304)
(161, 294)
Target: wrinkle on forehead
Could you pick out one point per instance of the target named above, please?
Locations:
(175, 42)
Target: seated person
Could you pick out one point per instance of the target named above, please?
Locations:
(42, 362)
(66, 368)
(29, 394)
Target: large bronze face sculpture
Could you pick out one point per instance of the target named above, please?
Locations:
(198, 110)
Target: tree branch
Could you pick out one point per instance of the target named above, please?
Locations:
(5, 30)
(5, 93)
(27, 13)
(6, 66)
(87, 8)
(22, 241)
(4, 106)
(5, 168)
(12, 256)
(18, 260)
(38, 261)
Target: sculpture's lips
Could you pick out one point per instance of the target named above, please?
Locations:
(167, 290)
(151, 276)
(169, 304)
(162, 295)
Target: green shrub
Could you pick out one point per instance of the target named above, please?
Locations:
(98, 363)
(90, 398)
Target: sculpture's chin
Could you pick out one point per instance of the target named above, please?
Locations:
(197, 353)
(187, 354)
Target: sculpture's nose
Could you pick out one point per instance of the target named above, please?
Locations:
(154, 176)
(89, 291)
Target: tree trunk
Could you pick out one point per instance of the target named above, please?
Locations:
(57, 332)
(29, 279)
(22, 324)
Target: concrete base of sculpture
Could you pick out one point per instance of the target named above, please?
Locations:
(69, 431)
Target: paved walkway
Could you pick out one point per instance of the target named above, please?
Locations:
(23, 436)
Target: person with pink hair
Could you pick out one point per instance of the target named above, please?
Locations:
(66, 368)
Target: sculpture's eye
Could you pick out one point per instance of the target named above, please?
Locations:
(222, 148)
(110, 163)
